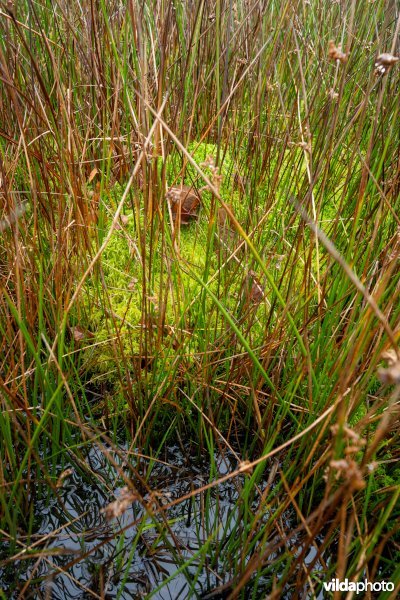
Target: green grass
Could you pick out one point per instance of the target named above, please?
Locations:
(117, 331)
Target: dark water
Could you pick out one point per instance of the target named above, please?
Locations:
(101, 560)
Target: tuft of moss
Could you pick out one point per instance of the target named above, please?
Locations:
(113, 296)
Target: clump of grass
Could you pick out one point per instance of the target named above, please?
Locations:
(262, 334)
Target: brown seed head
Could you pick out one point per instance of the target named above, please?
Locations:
(390, 374)
(120, 505)
(335, 52)
(384, 62)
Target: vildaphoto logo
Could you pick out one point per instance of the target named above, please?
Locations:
(335, 585)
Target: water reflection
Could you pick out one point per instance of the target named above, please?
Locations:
(86, 556)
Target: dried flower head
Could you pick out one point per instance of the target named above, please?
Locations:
(348, 433)
(120, 505)
(335, 52)
(390, 356)
(349, 470)
(391, 373)
(384, 62)
(208, 162)
(245, 466)
(216, 180)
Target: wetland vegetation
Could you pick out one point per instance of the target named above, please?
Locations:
(199, 400)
